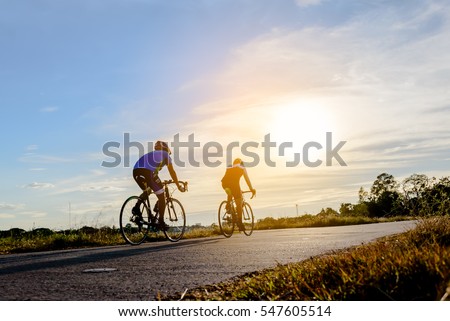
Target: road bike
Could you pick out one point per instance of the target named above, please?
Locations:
(228, 217)
(136, 229)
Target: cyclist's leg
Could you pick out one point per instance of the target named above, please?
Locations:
(147, 181)
(239, 208)
(157, 187)
(237, 194)
(142, 177)
(161, 206)
(229, 196)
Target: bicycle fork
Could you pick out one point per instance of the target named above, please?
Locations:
(170, 208)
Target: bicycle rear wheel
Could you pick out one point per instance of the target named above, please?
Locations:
(175, 217)
(134, 229)
(226, 223)
(248, 219)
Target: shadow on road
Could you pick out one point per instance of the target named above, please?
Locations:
(57, 259)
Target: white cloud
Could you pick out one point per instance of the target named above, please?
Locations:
(93, 183)
(13, 211)
(133, 117)
(96, 188)
(33, 158)
(34, 214)
(307, 3)
(98, 172)
(49, 109)
(36, 185)
(7, 206)
(31, 148)
(6, 216)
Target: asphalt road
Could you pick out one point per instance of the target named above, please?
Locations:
(141, 272)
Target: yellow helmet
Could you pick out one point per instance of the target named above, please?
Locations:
(237, 161)
(159, 145)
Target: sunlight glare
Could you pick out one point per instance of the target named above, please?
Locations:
(301, 121)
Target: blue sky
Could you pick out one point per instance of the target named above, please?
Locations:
(75, 75)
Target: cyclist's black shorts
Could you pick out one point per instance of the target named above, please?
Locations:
(235, 190)
(146, 178)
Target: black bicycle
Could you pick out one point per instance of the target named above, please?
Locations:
(136, 229)
(228, 217)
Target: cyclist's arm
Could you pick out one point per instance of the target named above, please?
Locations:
(247, 180)
(174, 176)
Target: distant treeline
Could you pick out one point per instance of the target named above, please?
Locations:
(417, 195)
(43, 232)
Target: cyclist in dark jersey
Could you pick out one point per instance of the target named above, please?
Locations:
(231, 185)
(145, 173)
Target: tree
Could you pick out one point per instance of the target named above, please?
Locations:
(436, 200)
(327, 212)
(363, 195)
(414, 188)
(361, 209)
(384, 199)
(346, 209)
(384, 183)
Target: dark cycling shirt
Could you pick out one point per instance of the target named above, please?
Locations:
(154, 161)
(232, 176)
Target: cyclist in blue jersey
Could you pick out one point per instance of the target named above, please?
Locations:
(231, 185)
(145, 173)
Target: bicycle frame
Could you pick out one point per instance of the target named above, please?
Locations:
(228, 218)
(135, 228)
(168, 198)
(245, 215)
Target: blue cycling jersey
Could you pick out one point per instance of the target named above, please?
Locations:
(154, 161)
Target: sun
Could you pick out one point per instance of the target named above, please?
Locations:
(301, 121)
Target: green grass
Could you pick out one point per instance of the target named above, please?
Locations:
(58, 241)
(409, 266)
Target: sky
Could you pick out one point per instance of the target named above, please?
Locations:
(264, 80)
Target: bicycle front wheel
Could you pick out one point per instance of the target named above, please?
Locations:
(226, 223)
(133, 228)
(175, 217)
(248, 219)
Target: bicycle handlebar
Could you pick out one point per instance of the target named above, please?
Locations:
(184, 183)
(248, 192)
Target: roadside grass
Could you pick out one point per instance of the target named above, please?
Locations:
(409, 266)
(58, 241)
(19, 241)
(322, 221)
